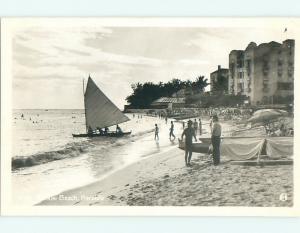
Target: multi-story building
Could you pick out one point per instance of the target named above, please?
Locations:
(263, 72)
(219, 81)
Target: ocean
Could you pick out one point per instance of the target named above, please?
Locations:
(47, 159)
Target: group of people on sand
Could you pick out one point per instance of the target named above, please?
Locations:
(190, 132)
(193, 127)
(281, 130)
(171, 133)
(196, 125)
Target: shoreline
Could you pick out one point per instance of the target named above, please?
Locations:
(111, 182)
(163, 179)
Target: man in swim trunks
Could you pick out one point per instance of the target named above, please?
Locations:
(189, 133)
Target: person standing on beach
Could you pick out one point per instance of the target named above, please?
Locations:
(216, 139)
(189, 133)
(200, 126)
(156, 132)
(172, 131)
(195, 126)
(183, 125)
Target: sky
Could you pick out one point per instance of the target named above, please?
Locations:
(50, 63)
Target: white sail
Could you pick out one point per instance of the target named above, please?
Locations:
(99, 110)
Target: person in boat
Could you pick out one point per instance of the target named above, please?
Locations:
(216, 139)
(100, 130)
(118, 130)
(172, 131)
(156, 131)
(189, 133)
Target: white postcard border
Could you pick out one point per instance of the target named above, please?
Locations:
(8, 25)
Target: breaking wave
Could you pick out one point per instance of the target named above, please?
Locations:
(72, 150)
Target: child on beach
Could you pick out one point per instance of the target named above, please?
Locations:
(156, 132)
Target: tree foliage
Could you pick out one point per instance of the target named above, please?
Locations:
(144, 94)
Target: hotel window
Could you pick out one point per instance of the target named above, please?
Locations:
(240, 60)
(285, 86)
(290, 49)
(232, 69)
(241, 75)
(241, 87)
(240, 63)
(279, 67)
(290, 69)
(290, 72)
(248, 67)
(265, 67)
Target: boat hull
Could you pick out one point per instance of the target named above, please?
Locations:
(203, 147)
(112, 134)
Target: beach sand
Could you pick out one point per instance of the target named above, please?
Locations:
(164, 180)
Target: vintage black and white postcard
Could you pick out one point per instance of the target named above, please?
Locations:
(150, 116)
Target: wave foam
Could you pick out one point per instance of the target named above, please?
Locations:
(71, 150)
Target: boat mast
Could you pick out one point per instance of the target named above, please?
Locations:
(86, 127)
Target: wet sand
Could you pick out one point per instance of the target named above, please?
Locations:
(164, 180)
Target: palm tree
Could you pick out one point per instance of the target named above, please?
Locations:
(200, 83)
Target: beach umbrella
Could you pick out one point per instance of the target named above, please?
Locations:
(266, 115)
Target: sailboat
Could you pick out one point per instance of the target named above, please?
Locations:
(100, 113)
